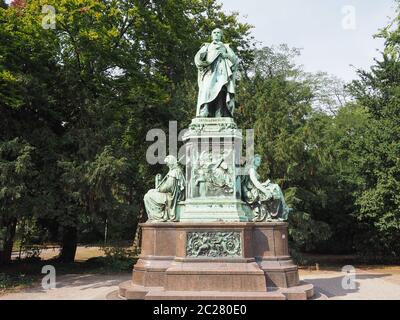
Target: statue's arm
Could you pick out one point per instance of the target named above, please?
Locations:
(167, 185)
(232, 55)
(201, 57)
(158, 180)
(254, 180)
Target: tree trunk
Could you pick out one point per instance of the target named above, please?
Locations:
(138, 239)
(6, 249)
(69, 244)
(137, 242)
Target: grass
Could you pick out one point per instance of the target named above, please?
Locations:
(10, 282)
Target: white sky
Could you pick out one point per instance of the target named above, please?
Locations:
(317, 27)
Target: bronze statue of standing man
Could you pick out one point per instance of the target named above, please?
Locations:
(217, 65)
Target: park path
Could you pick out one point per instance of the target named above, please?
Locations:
(370, 284)
(73, 287)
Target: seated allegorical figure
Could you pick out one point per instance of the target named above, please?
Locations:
(265, 199)
(161, 203)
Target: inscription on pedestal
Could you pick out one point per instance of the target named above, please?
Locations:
(213, 244)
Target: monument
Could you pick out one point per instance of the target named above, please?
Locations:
(215, 231)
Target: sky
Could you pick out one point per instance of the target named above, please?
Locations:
(334, 34)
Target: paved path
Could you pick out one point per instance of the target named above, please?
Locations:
(73, 287)
(370, 284)
(367, 285)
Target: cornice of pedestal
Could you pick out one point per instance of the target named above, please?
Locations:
(207, 128)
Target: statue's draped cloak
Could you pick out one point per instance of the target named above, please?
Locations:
(269, 192)
(216, 72)
(161, 204)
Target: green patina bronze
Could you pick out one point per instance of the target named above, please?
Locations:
(217, 65)
(212, 174)
(213, 244)
(264, 198)
(162, 203)
(214, 189)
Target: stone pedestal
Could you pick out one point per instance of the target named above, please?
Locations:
(213, 172)
(215, 251)
(215, 261)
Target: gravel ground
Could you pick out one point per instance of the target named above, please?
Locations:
(369, 284)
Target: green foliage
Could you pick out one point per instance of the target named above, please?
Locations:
(376, 151)
(17, 178)
(307, 233)
(8, 282)
(83, 96)
(276, 99)
(117, 259)
(16, 172)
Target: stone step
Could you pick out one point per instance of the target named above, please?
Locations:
(213, 295)
(319, 296)
(303, 291)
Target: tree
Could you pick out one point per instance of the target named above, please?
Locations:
(19, 88)
(84, 95)
(377, 150)
(275, 98)
(17, 173)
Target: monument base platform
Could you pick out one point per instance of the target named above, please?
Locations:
(129, 291)
(215, 261)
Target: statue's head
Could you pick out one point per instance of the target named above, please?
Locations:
(171, 161)
(217, 34)
(257, 160)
